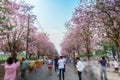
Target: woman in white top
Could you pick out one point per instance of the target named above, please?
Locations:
(50, 65)
(80, 66)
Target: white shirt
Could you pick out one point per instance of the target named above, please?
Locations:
(80, 66)
(116, 64)
(49, 61)
(61, 64)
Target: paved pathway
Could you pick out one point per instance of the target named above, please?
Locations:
(41, 74)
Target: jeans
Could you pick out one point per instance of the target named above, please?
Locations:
(61, 73)
(56, 68)
(64, 68)
(79, 75)
(103, 72)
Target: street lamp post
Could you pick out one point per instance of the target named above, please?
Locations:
(27, 40)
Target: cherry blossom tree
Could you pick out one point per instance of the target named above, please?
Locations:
(109, 15)
(14, 28)
(40, 44)
(94, 21)
(82, 32)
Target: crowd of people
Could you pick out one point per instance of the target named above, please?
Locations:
(12, 66)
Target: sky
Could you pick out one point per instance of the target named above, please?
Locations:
(52, 15)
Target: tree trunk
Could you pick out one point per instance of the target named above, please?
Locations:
(43, 59)
(73, 55)
(88, 52)
(78, 53)
(118, 50)
(8, 41)
(38, 56)
(14, 55)
(26, 56)
(113, 52)
(30, 56)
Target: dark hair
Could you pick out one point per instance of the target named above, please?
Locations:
(77, 58)
(61, 57)
(103, 58)
(49, 57)
(23, 59)
(10, 60)
(15, 59)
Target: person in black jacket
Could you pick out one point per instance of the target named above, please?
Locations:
(56, 63)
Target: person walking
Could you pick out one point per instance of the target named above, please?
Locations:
(50, 65)
(74, 64)
(65, 61)
(24, 67)
(116, 66)
(80, 66)
(61, 66)
(103, 64)
(55, 63)
(11, 67)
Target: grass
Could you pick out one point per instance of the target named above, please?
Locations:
(3, 58)
(1, 62)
